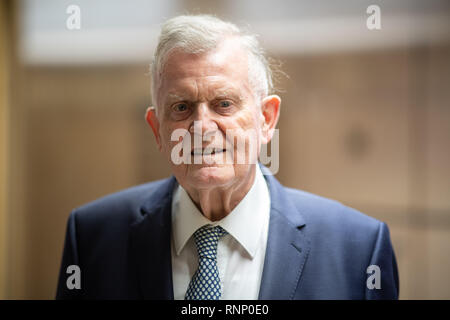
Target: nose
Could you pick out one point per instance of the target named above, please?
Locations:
(203, 119)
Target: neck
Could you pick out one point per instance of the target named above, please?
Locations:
(216, 203)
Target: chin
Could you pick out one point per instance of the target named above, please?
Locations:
(207, 176)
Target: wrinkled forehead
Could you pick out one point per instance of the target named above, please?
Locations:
(228, 61)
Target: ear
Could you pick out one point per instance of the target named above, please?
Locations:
(153, 121)
(270, 109)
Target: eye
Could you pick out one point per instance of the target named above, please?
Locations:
(224, 104)
(180, 107)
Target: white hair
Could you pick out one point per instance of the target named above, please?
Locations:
(198, 34)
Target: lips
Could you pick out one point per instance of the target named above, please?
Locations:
(207, 151)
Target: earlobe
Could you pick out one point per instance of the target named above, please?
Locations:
(152, 120)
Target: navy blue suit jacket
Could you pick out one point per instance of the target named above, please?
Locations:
(316, 249)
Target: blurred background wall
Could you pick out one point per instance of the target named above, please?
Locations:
(365, 119)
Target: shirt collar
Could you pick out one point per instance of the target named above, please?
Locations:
(245, 223)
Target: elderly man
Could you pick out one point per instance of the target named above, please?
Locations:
(220, 228)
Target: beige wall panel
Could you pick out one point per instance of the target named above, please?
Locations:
(415, 267)
(438, 137)
(344, 128)
(439, 263)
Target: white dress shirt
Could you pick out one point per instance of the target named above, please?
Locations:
(240, 253)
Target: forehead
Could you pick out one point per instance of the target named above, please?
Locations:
(225, 67)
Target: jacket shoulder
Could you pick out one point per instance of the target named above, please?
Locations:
(331, 215)
(123, 205)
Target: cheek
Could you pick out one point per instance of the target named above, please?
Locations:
(245, 126)
(250, 123)
(166, 136)
(243, 120)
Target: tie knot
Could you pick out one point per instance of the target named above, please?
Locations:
(206, 240)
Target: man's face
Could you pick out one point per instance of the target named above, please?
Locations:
(212, 88)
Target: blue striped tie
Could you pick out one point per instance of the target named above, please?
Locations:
(205, 284)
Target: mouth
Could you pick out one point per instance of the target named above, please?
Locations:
(207, 151)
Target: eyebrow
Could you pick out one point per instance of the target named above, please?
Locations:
(174, 97)
(220, 94)
(228, 93)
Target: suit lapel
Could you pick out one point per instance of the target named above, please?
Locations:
(287, 246)
(150, 245)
